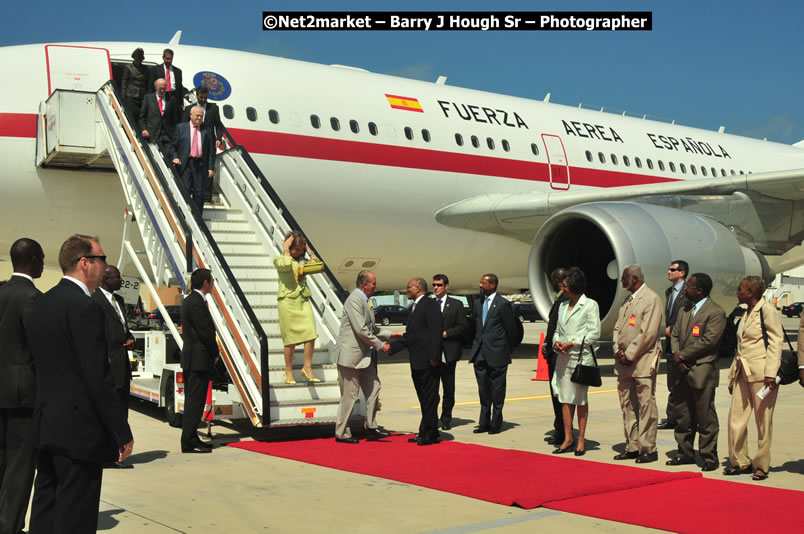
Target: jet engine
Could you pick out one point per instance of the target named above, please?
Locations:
(601, 238)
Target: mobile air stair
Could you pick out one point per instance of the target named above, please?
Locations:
(236, 239)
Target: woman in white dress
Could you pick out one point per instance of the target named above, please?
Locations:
(577, 329)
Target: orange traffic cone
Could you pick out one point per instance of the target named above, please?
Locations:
(542, 373)
(208, 405)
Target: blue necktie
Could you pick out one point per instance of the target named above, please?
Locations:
(485, 310)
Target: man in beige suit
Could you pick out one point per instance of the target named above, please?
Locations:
(637, 352)
(356, 355)
(694, 341)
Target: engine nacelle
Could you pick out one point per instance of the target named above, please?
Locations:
(601, 238)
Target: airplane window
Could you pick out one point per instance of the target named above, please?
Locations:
(661, 165)
(626, 162)
(683, 168)
(426, 136)
(714, 172)
(315, 121)
(693, 170)
(732, 172)
(638, 163)
(354, 126)
(228, 111)
(335, 123)
(506, 146)
(722, 172)
(372, 128)
(534, 148)
(409, 133)
(650, 163)
(459, 139)
(614, 159)
(703, 170)
(475, 141)
(601, 157)
(588, 156)
(273, 116)
(251, 113)
(672, 167)
(490, 143)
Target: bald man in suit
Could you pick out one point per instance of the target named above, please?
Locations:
(637, 351)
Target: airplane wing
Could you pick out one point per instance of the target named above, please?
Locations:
(520, 215)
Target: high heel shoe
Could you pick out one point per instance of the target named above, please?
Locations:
(289, 381)
(309, 378)
(565, 450)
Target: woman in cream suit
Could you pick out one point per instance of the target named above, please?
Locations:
(755, 366)
(577, 329)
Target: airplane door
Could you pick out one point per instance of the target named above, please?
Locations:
(557, 161)
(78, 68)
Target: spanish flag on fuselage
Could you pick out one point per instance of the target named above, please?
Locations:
(404, 102)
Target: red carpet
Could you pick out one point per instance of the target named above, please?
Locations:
(503, 476)
(696, 505)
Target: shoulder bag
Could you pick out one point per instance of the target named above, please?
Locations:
(587, 375)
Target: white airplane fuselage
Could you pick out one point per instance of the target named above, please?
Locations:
(363, 199)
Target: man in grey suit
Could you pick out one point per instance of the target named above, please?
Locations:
(674, 298)
(356, 355)
(695, 340)
(17, 384)
(495, 333)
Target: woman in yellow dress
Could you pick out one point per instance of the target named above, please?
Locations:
(296, 322)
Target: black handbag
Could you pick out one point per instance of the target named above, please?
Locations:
(587, 375)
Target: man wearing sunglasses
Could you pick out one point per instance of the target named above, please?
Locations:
(79, 422)
(675, 298)
(453, 325)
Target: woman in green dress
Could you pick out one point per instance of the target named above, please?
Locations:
(296, 322)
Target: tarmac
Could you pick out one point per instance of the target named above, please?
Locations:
(235, 491)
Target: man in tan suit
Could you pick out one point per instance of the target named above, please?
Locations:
(694, 341)
(356, 354)
(637, 352)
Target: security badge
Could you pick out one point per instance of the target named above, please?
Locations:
(696, 330)
(632, 320)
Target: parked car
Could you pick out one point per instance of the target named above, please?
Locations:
(526, 311)
(794, 310)
(158, 322)
(389, 313)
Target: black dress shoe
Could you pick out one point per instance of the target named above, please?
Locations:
(117, 465)
(414, 439)
(709, 466)
(647, 457)
(625, 455)
(495, 430)
(564, 451)
(204, 444)
(195, 449)
(666, 425)
(426, 441)
(680, 460)
(480, 430)
(446, 425)
(352, 441)
(376, 433)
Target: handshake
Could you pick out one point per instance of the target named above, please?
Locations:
(386, 347)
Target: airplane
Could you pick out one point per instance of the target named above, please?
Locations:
(411, 178)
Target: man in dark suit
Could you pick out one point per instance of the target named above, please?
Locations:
(549, 353)
(491, 353)
(694, 340)
(17, 384)
(78, 420)
(172, 76)
(193, 150)
(453, 331)
(158, 115)
(212, 121)
(422, 338)
(675, 299)
(118, 338)
(198, 357)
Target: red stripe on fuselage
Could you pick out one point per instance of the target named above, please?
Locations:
(303, 146)
(17, 125)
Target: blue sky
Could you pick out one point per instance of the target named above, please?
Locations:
(705, 64)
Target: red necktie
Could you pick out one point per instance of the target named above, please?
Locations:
(159, 100)
(167, 78)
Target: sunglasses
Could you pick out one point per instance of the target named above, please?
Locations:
(672, 270)
(436, 284)
(101, 258)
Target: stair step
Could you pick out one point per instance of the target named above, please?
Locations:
(230, 236)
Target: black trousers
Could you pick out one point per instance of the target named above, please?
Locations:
(426, 383)
(447, 375)
(196, 384)
(66, 496)
(18, 461)
(194, 175)
(558, 421)
(672, 378)
(491, 383)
